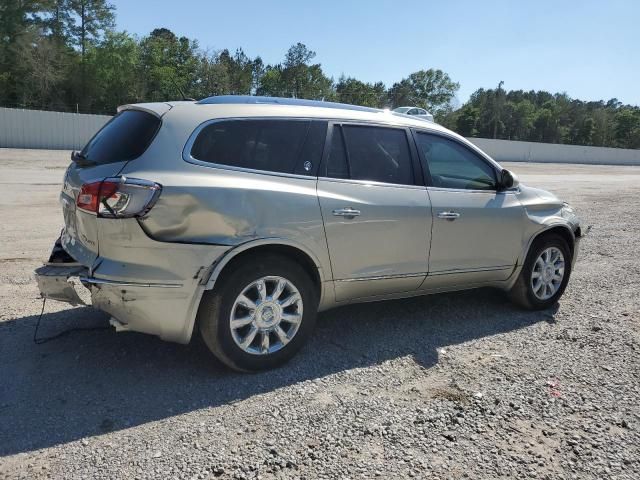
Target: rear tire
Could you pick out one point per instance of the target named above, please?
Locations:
(259, 314)
(538, 286)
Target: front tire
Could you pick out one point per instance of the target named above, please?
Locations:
(260, 313)
(544, 275)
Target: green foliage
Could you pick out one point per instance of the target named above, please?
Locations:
(296, 77)
(86, 20)
(66, 55)
(431, 89)
(351, 90)
(168, 65)
(113, 67)
(540, 116)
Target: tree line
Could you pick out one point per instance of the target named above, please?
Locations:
(540, 116)
(67, 55)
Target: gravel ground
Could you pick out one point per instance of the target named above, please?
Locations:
(459, 385)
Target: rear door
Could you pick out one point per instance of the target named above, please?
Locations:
(376, 212)
(124, 138)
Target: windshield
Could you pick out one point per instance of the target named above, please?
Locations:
(125, 137)
(402, 109)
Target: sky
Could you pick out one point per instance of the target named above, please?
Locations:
(588, 49)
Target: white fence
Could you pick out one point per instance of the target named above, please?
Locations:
(50, 130)
(69, 131)
(512, 151)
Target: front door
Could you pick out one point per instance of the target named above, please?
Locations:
(477, 229)
(376, 214)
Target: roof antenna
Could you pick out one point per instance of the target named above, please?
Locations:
(175, 84)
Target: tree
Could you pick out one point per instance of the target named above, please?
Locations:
(19, 24)
(239, 69)
(45, 70)
(353, 91)
(295, 77)
(296, 69)
(272, 83)
(627, 128)
(498, 102)
(521, 119)
(431, 89)
(168, 66)
(467, 120)
(113, 64)
(92, 18)
(60, 21)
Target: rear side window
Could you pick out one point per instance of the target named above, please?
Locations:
(125, 137)
(283, 146)
(377, 154)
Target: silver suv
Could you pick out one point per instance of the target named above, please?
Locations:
(245, 216)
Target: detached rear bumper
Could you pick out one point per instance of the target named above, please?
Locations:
(146, 286)
(60, 282)
(154, 308)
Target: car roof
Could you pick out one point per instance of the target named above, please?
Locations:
(243, 106)
(260, 100)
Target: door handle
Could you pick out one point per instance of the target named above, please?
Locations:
(448, 215)
(346, 212)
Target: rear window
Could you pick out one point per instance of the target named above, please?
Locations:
(284, 146)
(125, 137)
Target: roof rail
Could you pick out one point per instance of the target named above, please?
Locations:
(255, 99)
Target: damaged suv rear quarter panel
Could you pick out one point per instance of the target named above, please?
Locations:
(209, 204)
(168, 279)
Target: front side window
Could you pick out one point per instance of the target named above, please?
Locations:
(454, 166)
(376, 154)
(283, 146)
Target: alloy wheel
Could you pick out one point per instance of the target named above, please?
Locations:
(548, 273)
(266, 315)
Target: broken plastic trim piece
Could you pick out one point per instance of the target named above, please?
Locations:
(102, 281)
(53, 282)
(118, 325)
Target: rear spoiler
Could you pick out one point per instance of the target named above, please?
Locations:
(156, 109)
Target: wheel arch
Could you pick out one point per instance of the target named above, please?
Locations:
(559, 229)
(284, 247)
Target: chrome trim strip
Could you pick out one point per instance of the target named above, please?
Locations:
(429, 274)
(202, 163)
(383, 277)
(496, 192)
(473, 270)
(371, 182)
(186, 151)
(187, 157)
(102, 281)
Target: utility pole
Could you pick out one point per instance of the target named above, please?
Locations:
(497, 109)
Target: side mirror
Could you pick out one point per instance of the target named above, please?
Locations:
(508, 180)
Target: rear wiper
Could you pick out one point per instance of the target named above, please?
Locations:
(80, 159)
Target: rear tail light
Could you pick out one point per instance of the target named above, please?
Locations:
(118, 197)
